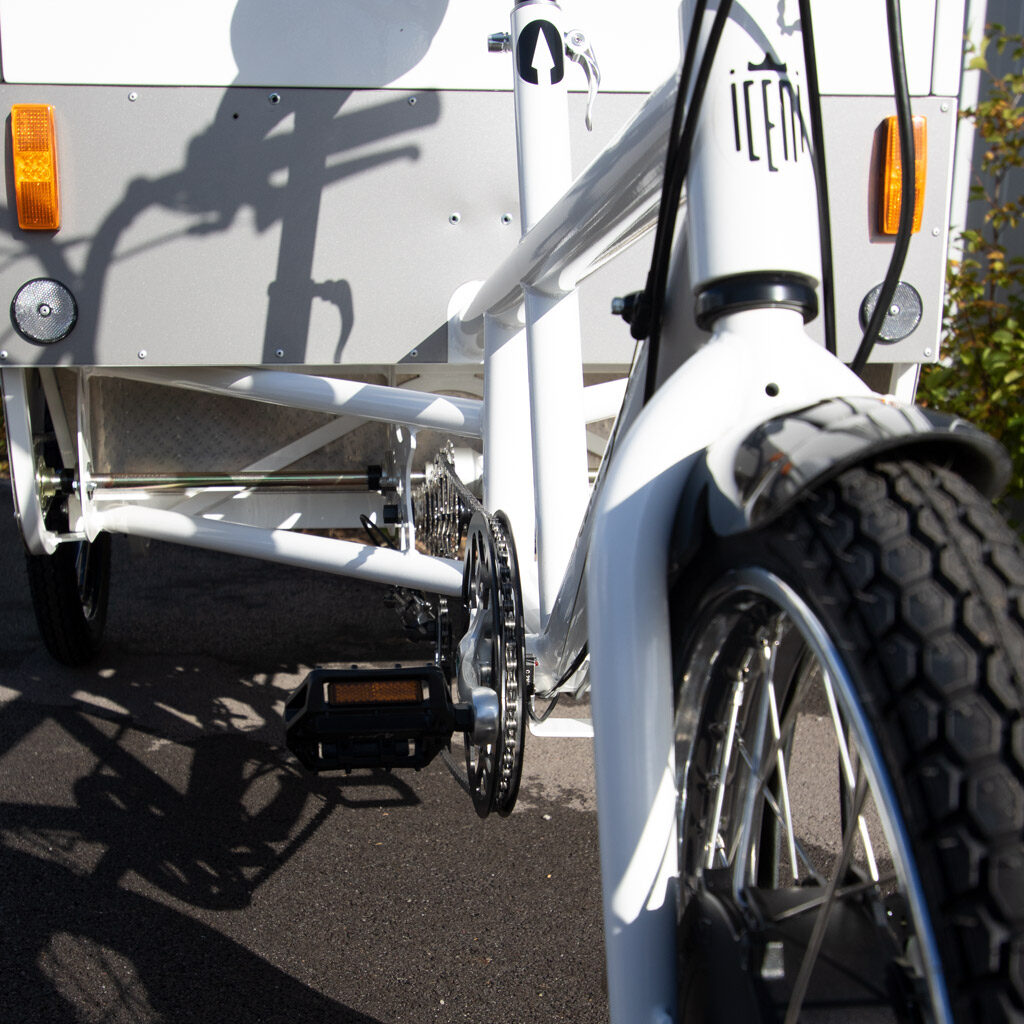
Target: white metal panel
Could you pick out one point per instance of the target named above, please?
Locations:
(949, 44)
(851, 42)
(236, 231)
(414, 44)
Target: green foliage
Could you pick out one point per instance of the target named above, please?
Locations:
(982, 374)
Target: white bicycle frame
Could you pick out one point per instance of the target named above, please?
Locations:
(600, 571)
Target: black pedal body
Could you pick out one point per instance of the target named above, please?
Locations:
(340, 719)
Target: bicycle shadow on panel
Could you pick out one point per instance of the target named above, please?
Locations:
(270, 165)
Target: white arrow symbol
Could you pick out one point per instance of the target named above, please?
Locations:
(543, 59)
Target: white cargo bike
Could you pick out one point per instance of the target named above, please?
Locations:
(267, 283)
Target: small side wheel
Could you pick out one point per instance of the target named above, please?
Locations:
(70, 589)
(850, 758)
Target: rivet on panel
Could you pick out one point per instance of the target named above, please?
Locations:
(143, 353)
(454, 218)
(132, 97)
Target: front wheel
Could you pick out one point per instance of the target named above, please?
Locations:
(850, 758)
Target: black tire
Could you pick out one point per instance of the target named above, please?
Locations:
(898, 588)
(70, 591)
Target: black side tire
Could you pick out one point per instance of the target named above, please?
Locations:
(917, 586)
(70, 591)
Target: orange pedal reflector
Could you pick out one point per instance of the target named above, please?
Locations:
(34, 147)
(375, 691)
(890, 193)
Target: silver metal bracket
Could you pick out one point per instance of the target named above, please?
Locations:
(579, 50)
(396, 481)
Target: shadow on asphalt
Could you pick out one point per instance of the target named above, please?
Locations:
(97, 896)
(163, 859)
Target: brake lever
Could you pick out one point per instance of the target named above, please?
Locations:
(579, 50)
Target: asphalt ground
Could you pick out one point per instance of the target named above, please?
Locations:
(164, 858)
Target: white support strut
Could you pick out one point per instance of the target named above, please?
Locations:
(340, 557)
(460, 416)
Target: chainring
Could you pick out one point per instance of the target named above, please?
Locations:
(495, 641)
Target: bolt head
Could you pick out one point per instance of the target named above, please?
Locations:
(274, 98)
(143, 353)
(454, 218)
(927, 353)
(279, 353)
(44, 310)
(132, 97)
(3, 354)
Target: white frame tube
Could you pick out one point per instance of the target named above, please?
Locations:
(460, 416)
(553, 342)
(340, 557)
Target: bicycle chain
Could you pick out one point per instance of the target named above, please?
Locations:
(511, 624)
(447, 504)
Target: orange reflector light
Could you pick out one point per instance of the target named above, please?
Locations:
(892, 175)
(375, 691)
(34, 146)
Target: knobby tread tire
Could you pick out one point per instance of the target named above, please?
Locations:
(921, 584)
(70, 632)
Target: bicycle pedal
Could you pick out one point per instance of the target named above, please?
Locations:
(340, 719)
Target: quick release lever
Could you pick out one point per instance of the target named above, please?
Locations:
(579, 50)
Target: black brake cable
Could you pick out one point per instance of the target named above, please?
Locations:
(904, 119)
(828, 294)
(648, 324)
(377, 536)
(666, 215)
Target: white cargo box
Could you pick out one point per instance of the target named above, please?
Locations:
(290, 183)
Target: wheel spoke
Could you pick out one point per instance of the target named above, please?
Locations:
(715, 839)
(842, 893)
(830, 896)
(848, 775)
(783, 782)
(745, 848)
